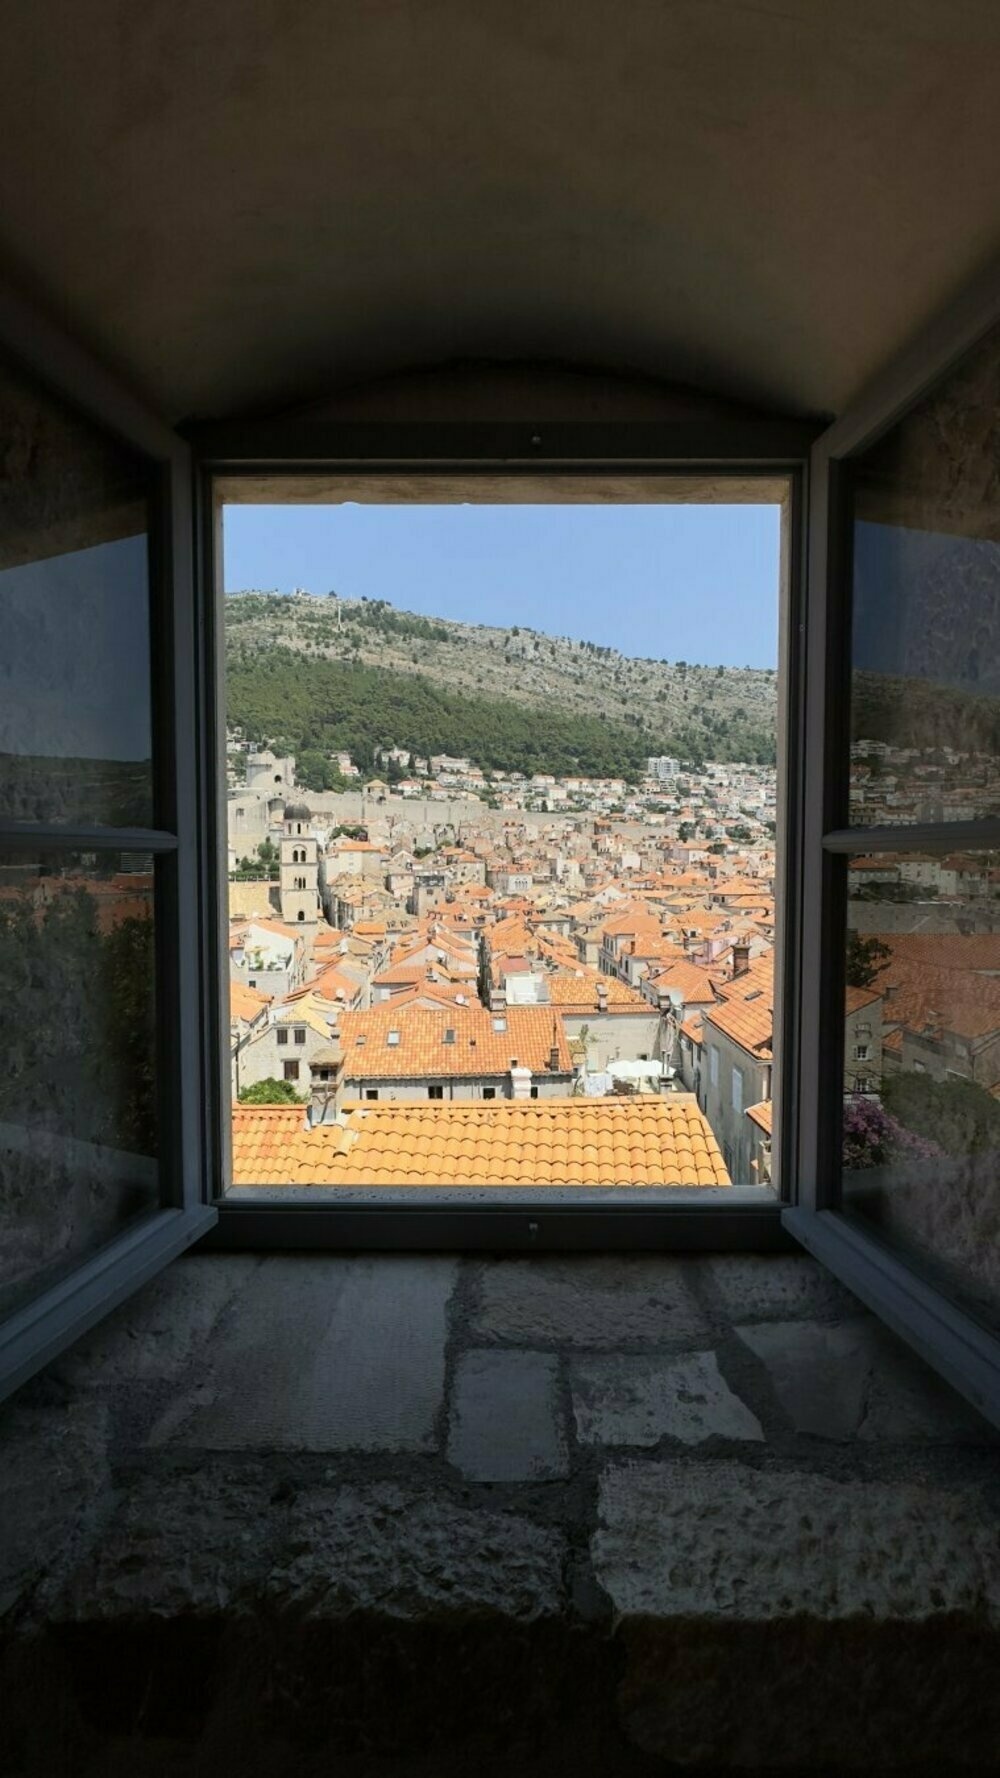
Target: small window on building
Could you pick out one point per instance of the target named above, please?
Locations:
(534, 1092)
(489, 1092)
(392, 1038)
(713, 1065)
(371, 1092)
(449, 1036)
(499, 1025)
(737, 1090)
(291, 1070)
(300, 1034)
(435, 1092)
(282, 1035)
(301, 914)
(861, 1052)
(253, 983)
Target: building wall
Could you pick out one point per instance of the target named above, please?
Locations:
(615, 1038)
(468, 1088)
(725, 1102)
(264, 1057)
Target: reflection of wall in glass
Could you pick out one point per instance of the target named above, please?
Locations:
(75, 716)
(77, 1032)
(922, 1061)
(925, 726)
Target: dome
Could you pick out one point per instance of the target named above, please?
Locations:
(296, 812)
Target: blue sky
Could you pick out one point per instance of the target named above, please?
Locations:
(694, 583)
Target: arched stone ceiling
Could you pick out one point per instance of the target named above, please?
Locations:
(241, 203)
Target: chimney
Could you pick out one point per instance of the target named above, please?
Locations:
(741, 958)
(554, 1051)
(326, 1090)
(520, 1080)
(602, 997)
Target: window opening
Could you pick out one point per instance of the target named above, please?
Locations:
(539, 821)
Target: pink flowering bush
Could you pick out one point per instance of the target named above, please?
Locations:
(872, 1138)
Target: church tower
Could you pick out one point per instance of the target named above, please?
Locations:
(299, 868)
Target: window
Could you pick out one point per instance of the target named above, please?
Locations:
(901, 607)
(861, 1052)
(713, 1065)
(101, 1171)
(489, 1092)
(282, 1034)
(300, 1034)
(534, 1092)
(737, 1091)
(435, 1092)
(899, 1188)
(291, 1070)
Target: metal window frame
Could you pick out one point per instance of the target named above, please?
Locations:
(59, 1313)
(749, 1219)
(921, 1312)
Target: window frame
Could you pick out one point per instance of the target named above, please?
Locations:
(735, 1218)
(924, 1315)
(60, 1312)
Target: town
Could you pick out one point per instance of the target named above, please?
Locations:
(405, 944)
(563, 980)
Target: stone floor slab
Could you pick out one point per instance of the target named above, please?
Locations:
(599, 1301)
(638, 1400)
(156, 1333)
(722, 1540)
(506, 1418)
(55, 1490)
(324, 1354)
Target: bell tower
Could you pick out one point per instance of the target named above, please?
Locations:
(299, 883)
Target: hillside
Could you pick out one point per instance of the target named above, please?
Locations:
(488, 678)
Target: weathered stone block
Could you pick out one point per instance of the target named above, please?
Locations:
(639, 1400)
(765, 1286)
(180, 1544)
(404, 1553)
(506, 1418)
(721, 1540)
(601, 1301)
(324, 1354)
(854, 1380)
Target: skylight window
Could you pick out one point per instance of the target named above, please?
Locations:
(392, 1038)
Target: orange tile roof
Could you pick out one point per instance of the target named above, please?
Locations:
(748, 1022)
(528, 1032)
(693, 984)
(568, 1141)
(761, 1115)
(575, 990)
(856, 998)
(692, 1028)
(246, 1003)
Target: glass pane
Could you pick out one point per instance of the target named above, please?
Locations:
(75, 719)
(922, 1063)
(925, 711)
(78, 1135)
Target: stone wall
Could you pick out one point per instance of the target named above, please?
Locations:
(622, 1515)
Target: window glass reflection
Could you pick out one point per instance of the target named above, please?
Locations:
(75, 711)
(922, 1063)
(78, 1126)
(925, 704)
